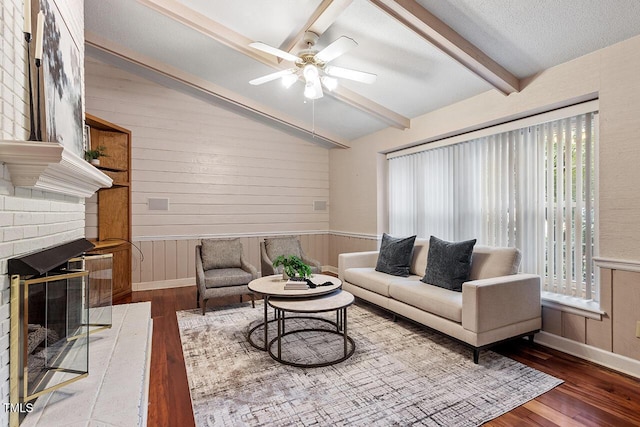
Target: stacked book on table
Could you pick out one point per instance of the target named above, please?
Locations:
(296, 285)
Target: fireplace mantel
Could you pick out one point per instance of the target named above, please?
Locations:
(49, 166)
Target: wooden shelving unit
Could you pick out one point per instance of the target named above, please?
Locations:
(114, 204)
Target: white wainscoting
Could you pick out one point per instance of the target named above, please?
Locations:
(610, 338)
(169, 261)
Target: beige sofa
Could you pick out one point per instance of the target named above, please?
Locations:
(496, 304)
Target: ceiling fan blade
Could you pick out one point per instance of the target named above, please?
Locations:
(272, 76)
(346, 73)
(275, 51)
(335, 49)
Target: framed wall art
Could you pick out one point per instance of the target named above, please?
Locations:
(62, 74)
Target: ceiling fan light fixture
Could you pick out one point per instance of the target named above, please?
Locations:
(311, 66)
(329, 82)
(310, 90)
(289, 80)
(310, 72)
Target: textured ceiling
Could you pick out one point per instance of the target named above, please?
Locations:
(529, 36)
(414, 77)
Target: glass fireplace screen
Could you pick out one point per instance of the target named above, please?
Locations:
(100, 269)
(53, 348)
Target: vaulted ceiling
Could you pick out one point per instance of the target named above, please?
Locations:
(426, 53)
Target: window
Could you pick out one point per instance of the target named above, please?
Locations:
(533, 188)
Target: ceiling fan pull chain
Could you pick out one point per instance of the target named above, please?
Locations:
(313, 118)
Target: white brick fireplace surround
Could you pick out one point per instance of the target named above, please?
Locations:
(29, 219)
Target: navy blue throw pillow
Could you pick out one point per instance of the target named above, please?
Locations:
(449, 263)
(395, 255)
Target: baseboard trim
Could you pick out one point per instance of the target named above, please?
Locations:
(605, 358)
(330, 269)
(164, 284)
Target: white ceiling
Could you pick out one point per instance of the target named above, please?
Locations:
(200, 46)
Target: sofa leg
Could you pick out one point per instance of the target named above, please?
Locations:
(530, 339)
(395, 318)
(203, 303)
(476, 355)
(253, 301)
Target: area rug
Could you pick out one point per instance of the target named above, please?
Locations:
(400, 374)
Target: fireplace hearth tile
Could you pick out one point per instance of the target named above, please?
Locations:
(116, 391)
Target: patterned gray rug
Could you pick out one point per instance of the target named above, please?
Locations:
(400, 374)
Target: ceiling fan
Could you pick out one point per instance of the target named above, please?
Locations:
(311, 66)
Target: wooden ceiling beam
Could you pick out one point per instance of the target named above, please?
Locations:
(205, 25)
(321, 19)
(211, 91)
(428, 26)
(199, 22)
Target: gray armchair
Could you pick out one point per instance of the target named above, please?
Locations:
(271, 248)
(221, 270)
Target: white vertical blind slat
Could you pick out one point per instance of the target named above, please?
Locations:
(579, 194)
(590, 195)
(559, 189)
(568, 207)
(550, 214)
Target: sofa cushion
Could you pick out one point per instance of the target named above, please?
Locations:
(449, 263)
(420, 254)
(222, 277)
(217, 253)
(439, 301)
(488, 262)
(286, 246)
(374, 281)
(395, 255)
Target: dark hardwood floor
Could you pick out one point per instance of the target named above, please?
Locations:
(590, 396)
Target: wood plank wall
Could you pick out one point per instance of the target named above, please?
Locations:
(340, 243)
(223, 174)
(616, 332)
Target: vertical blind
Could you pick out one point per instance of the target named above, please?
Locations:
(532, 188)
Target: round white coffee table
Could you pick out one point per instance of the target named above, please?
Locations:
(273, 286)
(337, 301)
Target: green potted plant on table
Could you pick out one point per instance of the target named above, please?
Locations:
(93, 156)
(292, 266)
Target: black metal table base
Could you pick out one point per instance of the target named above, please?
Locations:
(277, 340)
(265, 323)
(340, 326)
(253, 330)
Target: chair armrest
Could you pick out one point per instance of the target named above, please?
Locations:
(199, 272)
(355, 260)
(267, 268)
(311, 262)
(249, 268)
(500, 301)
(307, 259)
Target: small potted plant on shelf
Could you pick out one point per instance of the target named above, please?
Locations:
(93, 156)
(292, 266)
